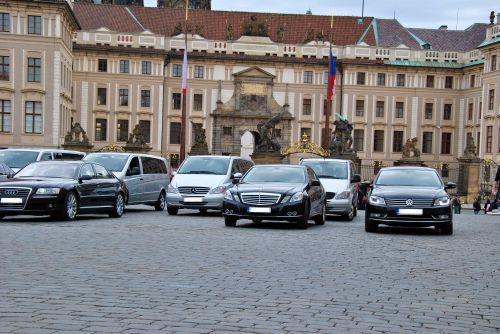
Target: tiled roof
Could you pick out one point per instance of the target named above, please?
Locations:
(452, 40)
(115, 18)
(346, 29)
(392, 34)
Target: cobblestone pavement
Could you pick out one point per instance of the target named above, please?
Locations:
(149, 272)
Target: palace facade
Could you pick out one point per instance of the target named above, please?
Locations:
(112, 68)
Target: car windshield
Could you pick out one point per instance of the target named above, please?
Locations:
(204, 165)
(328, 169)
(408, 178)
(112, 162)
(65, 171)
(18, 159)
(274, 174)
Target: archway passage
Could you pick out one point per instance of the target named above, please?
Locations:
(247, 144)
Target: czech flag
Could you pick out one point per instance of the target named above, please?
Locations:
(331, 77)
(184, 72)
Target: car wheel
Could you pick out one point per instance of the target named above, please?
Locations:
(447, 230)
(304, 221)
(2, 216)
(161, 203)
(355, 211)
(118, 207)
(230, 221)
(172, 211)
(370, 226)
(349, 216)
(70, 207)
(203, 211)
(321, 218)
(257, 220)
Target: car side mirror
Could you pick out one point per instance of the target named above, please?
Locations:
(356, 178)
(315, 183)
(174, 173)
(450, 185)
(236, 176)
(84, 178)
(367, 184)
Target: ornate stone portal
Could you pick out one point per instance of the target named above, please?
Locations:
(252, 108)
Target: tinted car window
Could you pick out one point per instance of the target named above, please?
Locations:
(46, 156)
(408, 177)
(112, 162)
(245, 165)
(153, 166)
(87, 170)
(101, 172)
(67, 156)
(133, 163)
(17, 159)
(234, 167)
(204, 165)
(48, 170)
(312, 176)
(275, 174)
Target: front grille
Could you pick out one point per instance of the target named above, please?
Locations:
(260, 198)
(14, 192)
(417, 203)
(330, 195)
(194, 190)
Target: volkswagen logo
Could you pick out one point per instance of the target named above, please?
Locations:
(409, 202)
(10, 192)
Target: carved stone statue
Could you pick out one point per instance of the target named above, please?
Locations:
(229, 32)
(267, 141)
(492, 17)
(137, 138)
(341, 142)
(280, 34)
(410, 150)
(200, 145)
(470, 150)
(254, 28)
(76, 136)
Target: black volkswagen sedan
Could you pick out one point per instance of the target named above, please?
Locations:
(409, 196)
(62, 189)
(276, 192)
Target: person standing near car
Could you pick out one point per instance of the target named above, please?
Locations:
(457, 205)
(476, 205)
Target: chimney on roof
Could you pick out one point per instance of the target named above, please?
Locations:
(443, 27)
(498, 18)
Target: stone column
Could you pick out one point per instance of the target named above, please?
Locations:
(469, 178)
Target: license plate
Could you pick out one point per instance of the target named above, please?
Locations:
(193, 199)
(259, 210)
(410, 212)
(11, 200)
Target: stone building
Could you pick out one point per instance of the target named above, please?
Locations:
(393, 82)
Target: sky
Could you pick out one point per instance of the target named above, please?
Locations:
(410, 13)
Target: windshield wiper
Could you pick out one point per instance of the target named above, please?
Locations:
(330, 177)
(201, 172)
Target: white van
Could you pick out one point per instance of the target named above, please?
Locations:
(146, 176)
(201, 181)
(341, 185)
(17, 158)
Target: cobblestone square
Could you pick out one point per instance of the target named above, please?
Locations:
(153, 273)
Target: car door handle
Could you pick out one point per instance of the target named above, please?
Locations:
(141, 179)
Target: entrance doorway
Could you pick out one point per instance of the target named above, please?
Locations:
(247, 144)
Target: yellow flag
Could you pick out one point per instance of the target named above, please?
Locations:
(187, 9)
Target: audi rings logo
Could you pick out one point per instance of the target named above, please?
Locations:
(10, 192)
(409, 202)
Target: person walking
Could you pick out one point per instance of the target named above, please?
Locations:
(487, 207)
(457, 205)
(476, 205)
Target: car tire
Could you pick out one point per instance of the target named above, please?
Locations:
(321, 218)
(70, 207)
(355, 211)
(172, 211)
(118, 207)
(203, 211)
(370, 226)
(2, 217)
(304, 221)
(447, 229)
(349, 216)
(230, 221)
(161, 203)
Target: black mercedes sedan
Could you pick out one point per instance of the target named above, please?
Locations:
(62, 189)
(409, 196)
(276, 192)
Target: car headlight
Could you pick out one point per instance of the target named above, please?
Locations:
(343, 195)
(228, 195)
(376, 200)
(442, 201)
(218, 190)
(48, 191)
(297, 197)
(172, 189)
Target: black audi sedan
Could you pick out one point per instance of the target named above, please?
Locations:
(409, 196)
(276, 192)
(62, 189)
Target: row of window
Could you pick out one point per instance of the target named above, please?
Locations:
(122, 129)
(399, 110)
(199, 71)
(34, 23)
(123, 95)
(102, 66)
(32, 116)
(401, 78)
(197, 101)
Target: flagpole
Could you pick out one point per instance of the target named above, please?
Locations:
(326, 139)
(182, 153)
